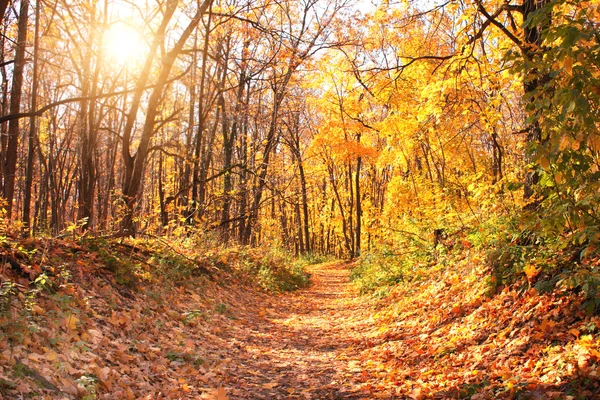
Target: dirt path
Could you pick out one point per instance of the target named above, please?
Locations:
(305, 345)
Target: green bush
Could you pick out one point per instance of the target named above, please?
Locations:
(377, 271)
(279, 272)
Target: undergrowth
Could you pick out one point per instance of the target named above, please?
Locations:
(513, 251)
(133, 261)
(274, 269)
(32, 266)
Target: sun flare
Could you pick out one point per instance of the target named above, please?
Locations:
(123, 44)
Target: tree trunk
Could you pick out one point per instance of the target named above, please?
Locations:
(357, 231)
(134, 165)
(199, 155)
(270, 143)
(32, 140)
(305, 220)
(10, 161)
(533, 82)
(89, 132)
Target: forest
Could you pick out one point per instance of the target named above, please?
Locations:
(300, 199)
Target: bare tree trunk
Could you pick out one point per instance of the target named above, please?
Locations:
(533, 40)
(3, 6)
(199, 155)
(134, 164)
(496, 159)
(301, 240)
(185, 184)
(10, 161)
(32, 140)
(305, 220)
(89, 131)
(164, 215)
(357, 231)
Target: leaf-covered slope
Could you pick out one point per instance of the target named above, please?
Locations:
(443, 336)
(130, 321)
(109, 320)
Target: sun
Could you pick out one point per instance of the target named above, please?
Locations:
(123, 44)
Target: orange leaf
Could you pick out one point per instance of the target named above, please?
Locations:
(71, 322)
(531, 271)
(270, 385)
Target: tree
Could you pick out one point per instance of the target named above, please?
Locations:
(9, 167)
(306, 38)
(134, 164)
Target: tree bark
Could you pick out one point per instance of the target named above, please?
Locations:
(10, 161)
(357, 231)
(32, 140)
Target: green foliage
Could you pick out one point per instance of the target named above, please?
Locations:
(557, 241)
(193, 359)
(515, 262)
(144, 260)
(194, 314)
(220, 308)
(175, 266)
(566, 106)
(314, 258)
(377, 271)
(90, 383)
(123, 268)
(277, 270)
(587, 281)
(273, 269)
(8, 290)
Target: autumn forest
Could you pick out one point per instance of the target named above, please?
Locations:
(342, 199)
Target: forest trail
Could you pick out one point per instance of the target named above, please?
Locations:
(437, 336)
(305, 345)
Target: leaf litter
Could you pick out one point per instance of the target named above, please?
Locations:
(441, 336)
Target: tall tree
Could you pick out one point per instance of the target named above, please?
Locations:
(134, 164)
(9, 169)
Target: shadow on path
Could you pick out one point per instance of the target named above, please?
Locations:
(302, 345)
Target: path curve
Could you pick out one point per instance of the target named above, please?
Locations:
(304, 345)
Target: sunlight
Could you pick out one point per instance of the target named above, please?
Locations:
(123, 44)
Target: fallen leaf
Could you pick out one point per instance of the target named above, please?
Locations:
(71, 322)
(270, 385)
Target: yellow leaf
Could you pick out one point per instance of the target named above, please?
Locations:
(548, 326)
(220, 394)
(71, 322)
(574, 332)
(270, 385)
(594, 141)
(568, 64)
(69, 386)
(51, 355)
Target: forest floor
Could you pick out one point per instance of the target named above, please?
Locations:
(304, 345)
(91, 335)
